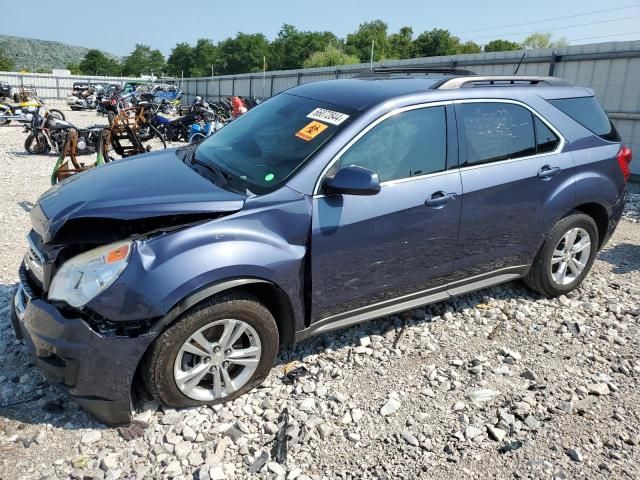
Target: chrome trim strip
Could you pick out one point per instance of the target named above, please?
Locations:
(35, 249)
(365, 130)
(413, 300)
(34, 260)
(19, 302)
(558, 149)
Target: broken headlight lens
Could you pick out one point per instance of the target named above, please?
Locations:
(86, 275)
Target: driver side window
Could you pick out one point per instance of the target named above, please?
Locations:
(408, 144)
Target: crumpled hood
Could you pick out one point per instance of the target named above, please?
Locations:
(153, 185)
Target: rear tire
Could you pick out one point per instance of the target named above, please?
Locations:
(56, 114)
(169, 358)
(565, 257)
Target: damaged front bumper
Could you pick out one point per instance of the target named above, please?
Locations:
(97, 371)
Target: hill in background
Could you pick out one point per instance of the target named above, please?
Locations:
(32, 54)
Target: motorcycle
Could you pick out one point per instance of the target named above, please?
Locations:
(23, 112)
(207, 124)
(112, 102)
(48, 134)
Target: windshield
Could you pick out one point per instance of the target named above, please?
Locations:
(273, 140)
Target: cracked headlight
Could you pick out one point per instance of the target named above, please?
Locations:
(84, 276)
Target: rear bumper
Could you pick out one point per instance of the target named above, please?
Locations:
(616, 214)
(95, 370)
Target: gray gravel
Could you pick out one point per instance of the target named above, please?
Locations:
(498, 384)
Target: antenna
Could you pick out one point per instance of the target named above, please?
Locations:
(519, 63)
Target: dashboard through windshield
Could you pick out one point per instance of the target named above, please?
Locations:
(269, 143)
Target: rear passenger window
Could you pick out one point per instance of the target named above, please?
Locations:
(546, 140)
(588, 113)
(496, 131)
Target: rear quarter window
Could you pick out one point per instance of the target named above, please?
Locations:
(588, 113)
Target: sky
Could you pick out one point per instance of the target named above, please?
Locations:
(117, 25)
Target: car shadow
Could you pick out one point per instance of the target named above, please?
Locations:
(26, 205)
(624, 257)
(26, 397)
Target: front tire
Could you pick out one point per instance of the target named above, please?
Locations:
(216, 352)
(36, 144)
(4, 113)
(566, 256)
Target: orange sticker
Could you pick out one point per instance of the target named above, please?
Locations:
(311, 131)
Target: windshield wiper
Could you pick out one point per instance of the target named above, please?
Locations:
(222, 176)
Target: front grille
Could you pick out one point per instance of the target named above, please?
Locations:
(32, 288)
(34, 261)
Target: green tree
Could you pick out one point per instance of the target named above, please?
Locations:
(435, 43)
(242, 54)
(359, 42)
(6, 64)
(500, 45)
(329, 57)
(97, 63)
(205, 56)
(401, 43)
(181, 60)
(292, 47)
(74, 68)
(144, 60)
(469, 47)
(543, 40)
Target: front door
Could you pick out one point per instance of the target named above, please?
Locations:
(371, 249)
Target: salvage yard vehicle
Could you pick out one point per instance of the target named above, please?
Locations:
(47, 133)
(23, 111)
(327, 205)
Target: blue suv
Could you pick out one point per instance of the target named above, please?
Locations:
(185, 271)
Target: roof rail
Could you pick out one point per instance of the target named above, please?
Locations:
(500, 81)
(410, 70)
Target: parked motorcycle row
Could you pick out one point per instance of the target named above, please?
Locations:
(136, 114)
(159, 107)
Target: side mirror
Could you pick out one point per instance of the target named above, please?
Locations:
(353, 180)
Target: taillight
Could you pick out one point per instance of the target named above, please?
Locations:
(625, 156)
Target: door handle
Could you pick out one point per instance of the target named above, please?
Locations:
(439, 199)
(548, 171)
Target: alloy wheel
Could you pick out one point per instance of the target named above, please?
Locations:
(217, 360)
(570, 257)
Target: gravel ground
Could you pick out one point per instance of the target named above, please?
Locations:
(501, 383)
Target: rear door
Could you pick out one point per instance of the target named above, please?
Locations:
(516, 180)
(372, 249)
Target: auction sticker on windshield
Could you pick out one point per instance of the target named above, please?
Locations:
(311, 131)
(329, 116)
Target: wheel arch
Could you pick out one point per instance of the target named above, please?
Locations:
(600, 216)
(271, 295)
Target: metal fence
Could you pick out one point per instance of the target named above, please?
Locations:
(611, 69)
(54, 86)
